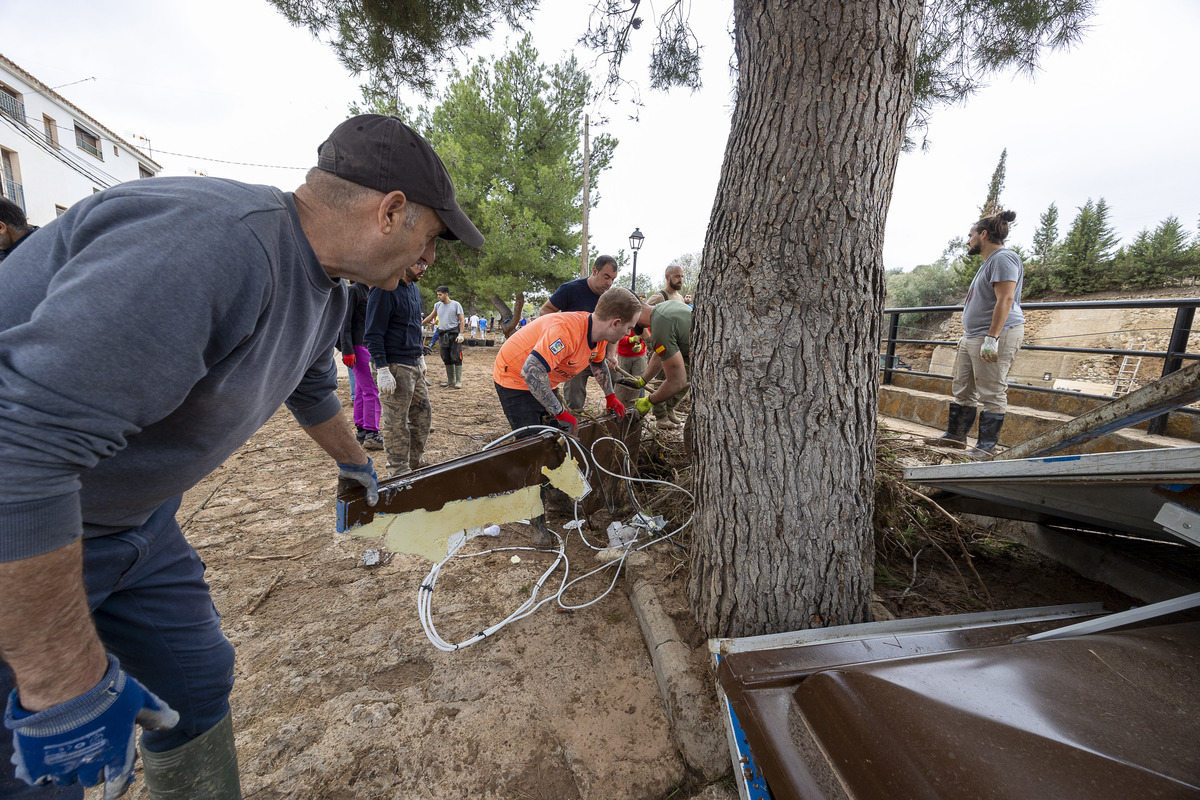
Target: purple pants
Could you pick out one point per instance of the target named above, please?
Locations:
(366, 396)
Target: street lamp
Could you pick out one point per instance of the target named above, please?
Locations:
(635, 244)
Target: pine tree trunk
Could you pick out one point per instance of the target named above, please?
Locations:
(786, 331)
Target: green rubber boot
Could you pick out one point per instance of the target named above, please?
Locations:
(205, 768)
(449, 377)
(458, 376)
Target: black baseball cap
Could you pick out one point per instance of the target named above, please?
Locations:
(383, 153)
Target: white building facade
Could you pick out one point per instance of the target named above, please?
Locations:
(53, 153)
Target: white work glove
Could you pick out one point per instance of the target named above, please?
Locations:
(422, 363)
(385, 381)
(990, 350)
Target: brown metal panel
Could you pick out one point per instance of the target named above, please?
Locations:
(505, 468)
(1113, 715)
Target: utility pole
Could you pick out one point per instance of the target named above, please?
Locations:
(583, 246)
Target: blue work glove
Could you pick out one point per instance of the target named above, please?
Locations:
(88, 738)
(362, 474)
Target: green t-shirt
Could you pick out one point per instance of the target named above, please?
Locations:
(671, 329)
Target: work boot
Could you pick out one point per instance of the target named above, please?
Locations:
(373, 441)
(360, 435)
(989, 431)
(665, 423)
(542, 536)
(449, 377)
(204, 767)
(458, 376)
(959, 421)
(671, 415)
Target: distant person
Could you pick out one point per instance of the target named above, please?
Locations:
(524, 321)
(553, 349)
(581, 295)
(687, 298)
(483, 327)
(14, 227)
(993, 328)
(670, 291)
(394, 338)
(474, 327)
(358, 361)
(448, 317)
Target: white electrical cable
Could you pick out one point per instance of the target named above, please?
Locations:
(425, 592)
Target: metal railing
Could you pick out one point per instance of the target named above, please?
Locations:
(15, 192)
(88, 147)
(12, 106)
(1173, 357)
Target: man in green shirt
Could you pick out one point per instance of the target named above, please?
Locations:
(670, 324)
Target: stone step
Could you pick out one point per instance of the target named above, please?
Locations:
(1020, 423)
(1181, 424)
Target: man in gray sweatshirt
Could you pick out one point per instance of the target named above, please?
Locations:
(231, 291)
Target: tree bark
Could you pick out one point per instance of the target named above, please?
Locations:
(786, 331)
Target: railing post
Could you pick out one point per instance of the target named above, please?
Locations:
(1179, 341)
(889, 361)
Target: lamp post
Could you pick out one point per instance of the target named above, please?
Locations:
(635, 244)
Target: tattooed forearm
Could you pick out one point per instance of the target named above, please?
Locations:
(603, 377)
(538, 381)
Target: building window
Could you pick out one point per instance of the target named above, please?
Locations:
(11, 103)
(116, 152)
(59, 210)
(144, 173)
(11, 185)
(51, 129)
(88, 142)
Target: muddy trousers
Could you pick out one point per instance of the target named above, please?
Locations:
(451, 352)
(406, 419)
(985, 383)
(575, 390)
(635, 366)
(521, 408)
(152, 609)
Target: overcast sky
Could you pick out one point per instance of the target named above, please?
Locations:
(230, 81)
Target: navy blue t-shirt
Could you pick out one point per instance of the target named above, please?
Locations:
(393, 333)
(575, 295)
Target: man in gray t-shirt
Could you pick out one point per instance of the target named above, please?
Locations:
(449, 316)
(993, 327)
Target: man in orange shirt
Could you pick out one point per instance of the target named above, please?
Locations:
(552, 350)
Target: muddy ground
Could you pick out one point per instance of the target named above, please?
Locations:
(340, 695)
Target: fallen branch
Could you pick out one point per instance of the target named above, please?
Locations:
(258, 602)
(954, 525)
(201, 507)
(280, 556)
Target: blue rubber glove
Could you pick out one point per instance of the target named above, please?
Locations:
(88, 738)
(363, 474)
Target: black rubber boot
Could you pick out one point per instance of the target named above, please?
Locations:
(989, 431)
(542, 536)
(205, 767)
(960, 419)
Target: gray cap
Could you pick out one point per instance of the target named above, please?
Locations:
(383, 153)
